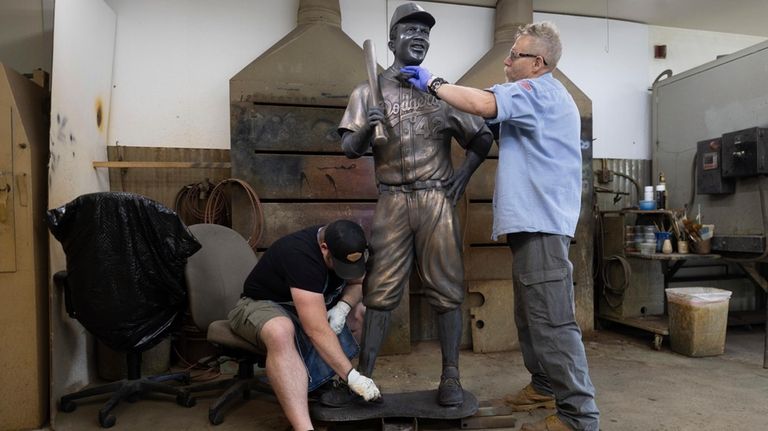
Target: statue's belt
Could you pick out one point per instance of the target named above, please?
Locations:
(412, 187)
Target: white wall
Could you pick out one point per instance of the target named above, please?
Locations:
(81, 79)
(608, 61)
(174, 59)
(26, 31)
(687, 49)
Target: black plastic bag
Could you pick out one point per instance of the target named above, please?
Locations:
(125, 266)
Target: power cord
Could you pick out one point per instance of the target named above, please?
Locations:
(607, 287)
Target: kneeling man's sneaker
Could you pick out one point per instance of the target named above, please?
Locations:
(550, 423)
(528, 399)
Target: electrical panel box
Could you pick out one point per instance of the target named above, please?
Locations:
(709, 176)
(745, 153)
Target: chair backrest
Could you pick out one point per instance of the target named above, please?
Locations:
(216, 273)
(125, 266)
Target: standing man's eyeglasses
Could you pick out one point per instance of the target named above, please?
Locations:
(515, 55)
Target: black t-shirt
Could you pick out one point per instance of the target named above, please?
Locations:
(294, 260)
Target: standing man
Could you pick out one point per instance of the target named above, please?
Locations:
(418, 189)
(536, 203)
(299, 294)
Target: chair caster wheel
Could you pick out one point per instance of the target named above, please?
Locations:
(67, 406)
(185, 400)
(216, 418)
(107, 421)
(185, 380)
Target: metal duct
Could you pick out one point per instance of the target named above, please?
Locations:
(511, 14)
(316, 64)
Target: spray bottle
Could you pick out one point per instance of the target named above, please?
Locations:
(661, 192)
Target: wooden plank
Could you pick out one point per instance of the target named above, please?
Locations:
(7, 222)
(163, 184)
(655, 323)
(161, 165)
(290, 177)
(493, 322)
(265, 128)
(7, 193)
(285, 217)
(478, 226)
(488, 263)
(281, 219)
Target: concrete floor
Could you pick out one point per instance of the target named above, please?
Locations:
(637, 388)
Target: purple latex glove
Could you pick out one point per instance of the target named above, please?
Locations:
(417, 76)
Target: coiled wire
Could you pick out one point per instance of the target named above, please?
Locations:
(191, 200)
(218, 199)
(607, 287)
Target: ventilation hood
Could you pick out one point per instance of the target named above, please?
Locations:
(510, 15)
(316, 64)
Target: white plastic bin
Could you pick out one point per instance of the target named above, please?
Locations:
(698, 318)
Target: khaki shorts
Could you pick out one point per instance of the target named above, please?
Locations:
(250, 315)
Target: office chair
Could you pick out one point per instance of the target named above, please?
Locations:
(215, 276)
(125, 284)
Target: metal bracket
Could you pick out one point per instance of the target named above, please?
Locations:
(390, 424)
(490, 414)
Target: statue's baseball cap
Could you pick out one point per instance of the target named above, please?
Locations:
(411, 12)
(349, 249)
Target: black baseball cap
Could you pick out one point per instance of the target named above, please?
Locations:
(349, 248)
(411, 12)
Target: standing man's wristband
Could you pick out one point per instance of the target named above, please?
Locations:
(434, 84)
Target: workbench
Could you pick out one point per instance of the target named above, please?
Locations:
(646, 307)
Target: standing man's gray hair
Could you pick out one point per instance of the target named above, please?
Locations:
(546, 38)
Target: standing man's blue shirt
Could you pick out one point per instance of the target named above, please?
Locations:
(538, 179)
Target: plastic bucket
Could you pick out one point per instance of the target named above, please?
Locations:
(698, 318)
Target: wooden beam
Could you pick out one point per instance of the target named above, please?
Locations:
(161, 165)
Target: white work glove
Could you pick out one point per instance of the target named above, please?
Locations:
(363, 386)
(337, 316)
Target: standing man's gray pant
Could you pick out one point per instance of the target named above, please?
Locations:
(550, 339)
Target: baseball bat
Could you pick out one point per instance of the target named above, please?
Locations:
(379, 134)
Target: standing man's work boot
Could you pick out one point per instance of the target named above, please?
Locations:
(550, 423)
(528, 399)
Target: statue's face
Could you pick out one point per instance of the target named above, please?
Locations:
(410, 43)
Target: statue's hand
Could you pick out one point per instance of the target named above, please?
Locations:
(456, 184)
(418, 76)
(375, 116)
